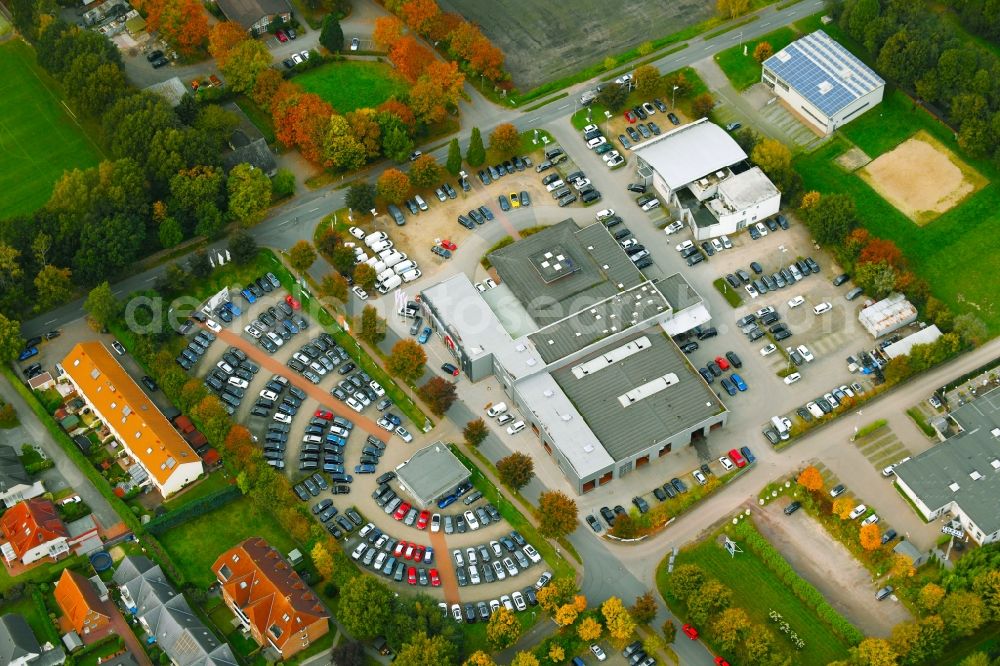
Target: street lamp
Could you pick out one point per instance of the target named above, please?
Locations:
(673, 98)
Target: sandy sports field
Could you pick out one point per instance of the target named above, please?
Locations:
(922, 178)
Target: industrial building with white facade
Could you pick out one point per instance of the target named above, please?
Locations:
(822, 82)
(701, 171)
(580, 342)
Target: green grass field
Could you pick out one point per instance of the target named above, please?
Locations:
(353, 84)
(38, 138)
(195, 545)
(742, 70)
(757, 590)
(948, 252)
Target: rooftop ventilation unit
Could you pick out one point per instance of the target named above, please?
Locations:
(953, 487)
(975, 475)
(648, 389)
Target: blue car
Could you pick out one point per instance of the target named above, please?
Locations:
(334, 439)
(446, 501)
(247, 294)
(740, 384)
(364, 469)
(392, 418)
(27, 353)
(748, 455)
(232, 307)
(289, 326)
(425, 335)
(728, 386)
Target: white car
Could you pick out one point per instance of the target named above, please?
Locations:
(252, 330)
(480, 287)
(822, 307)
(375, 386)
(357, 233)
(848, 391)
(359, 551)
(674, 227)
(685, 245)
(796, 302)
(436, 522)
(610, 155)
(581, 183)
(792, 378)
(590, 128)
(726, 243)
(459, 558)
(870, 520)
(490, 284)
(353, 404)
(470, 518)
(651, 204)
(717, 245)
(752, 290)
(605, 214)
(411, 275)
(532, 554)
(371, 239)
(814, 409)
(505, 600)
(497, 409)
(519, 601)
(761, 229)
(360, 293)
(857, 511)
(268, 395)
(596, 141)
(515, 427)
(699, 477)
(296, 58)
(282, 418)
(617, 160)
(275, 338)
(727, 463)
(474, 575)
(213, 325)
(555, 185)
(598, 652)
(767, 350)
(806, 354)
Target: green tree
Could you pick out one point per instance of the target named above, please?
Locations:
(425, 172)
(193, 189)
(424, 649)
(970, 329)
(503, 629)
(613, 96)
(332, 35)
(106, 249)
(644, 609)
(53, 286)
(301, 256)
(439, 394)
(877, 278)
(11, 342)
(475, 432)
(242, 247)
(505, 139)
(396, 142)
(101, 306)
(199, 264)
(169, 233)
(516, 469)
(343, 260)
(393, 186)
(731, 627)
(647, 80)
(476, 155)
(407, 360)
(283, 184)
(556, 514)
(364, 276)
(243, 63)
(963, 612)
(685, 580)
(711, 599)
(365, 607)
(454, 162)
(341, 147)
(333, 286)
(361, 197)
(249, 194)
(831, 218)
(373, 327)
(774, 158)
(349, 653)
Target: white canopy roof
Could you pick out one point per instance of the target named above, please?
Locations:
(690, 152)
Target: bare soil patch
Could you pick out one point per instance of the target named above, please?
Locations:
(853, 159)
(922, 178)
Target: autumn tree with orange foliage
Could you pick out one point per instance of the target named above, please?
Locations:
(266, 86)
(400, 110)
(367, 131)
(439, 87)
(811, 479)
(183, 23)
(462, 38)
(420, 14)
(486, 59)
(879, 249)
(410, 58)
(842, 507)
(870, 537)
(443, 25)
(223, 38)
(301, 120)
(388, 30)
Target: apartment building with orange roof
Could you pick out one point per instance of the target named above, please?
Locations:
(80, 602)
(33, 530)
(270, 598)
(136, 422)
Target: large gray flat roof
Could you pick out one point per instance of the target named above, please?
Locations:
(678, 292)
(626, 430)
(547, 298)
(944, 473)
(692, 151)
(432, 471)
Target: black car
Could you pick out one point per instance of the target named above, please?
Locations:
(640, 504)
(155, 55)
(654, 128)
(756, 268)
(813, 266)
(889, 536)
(706, 333)
(689, 347)
(638, 111)
(608, 515)
(678, 485)
(793, 507)
(636, 187)
(734, 360)
(660, 106)
(594, 524)
(659, 494)
(841, 279)
(148, 382)
(632, 134)
(673, 118)
(645, 262)
(707, 375)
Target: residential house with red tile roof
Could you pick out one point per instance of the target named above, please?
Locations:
(33, 530)
(270, 598)
(80, 602)
(136, 422)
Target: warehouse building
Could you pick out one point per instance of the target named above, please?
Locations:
(961, 476)
(890, 314)
(431, 473)
(822, 82)
(580, 341)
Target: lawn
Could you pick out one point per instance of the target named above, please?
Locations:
(195, 545)
(948, 252)
(353, 84)
(38, 138)
(210, 484)
(758, 590)
(742, 70)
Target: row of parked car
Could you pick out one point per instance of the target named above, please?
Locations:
(493, 173)
(596, 142)
(636, 252)
(481, 611)
(392, 267)
(395, 558)
(494, 561)
(338, 526)
(231, 376)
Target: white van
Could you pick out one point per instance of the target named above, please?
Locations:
(377, 237)
(411, 275)
(381, 245)
(392, 258)
(497, 409)
(420, 202)
(390, 284)
(781, 424)
(404, 266)
(515, 427)
(384, 275)
(378, 266)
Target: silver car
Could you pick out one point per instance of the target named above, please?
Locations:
(411, 517)
(522, 560)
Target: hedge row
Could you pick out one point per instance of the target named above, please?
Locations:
(808, 594)
(78, 656)
(192, 510)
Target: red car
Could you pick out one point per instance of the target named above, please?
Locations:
(690, 632)
(422, 519)
(719, 661)
(448, 245)
(418, 553)
(398, 550)
(722, 363)
(401, 511)
(411, 576)
(323, 414)
(282, 37)
(629, 116)
(435, 578)
(294, 303)
(739, 460)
